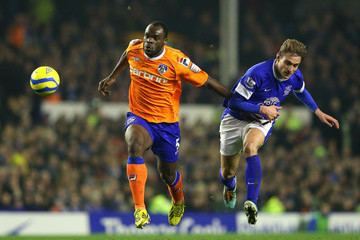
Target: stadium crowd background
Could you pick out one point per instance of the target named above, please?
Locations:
(79, 164)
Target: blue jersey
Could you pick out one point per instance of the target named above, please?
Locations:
(260, 86)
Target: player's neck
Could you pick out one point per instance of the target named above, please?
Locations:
(157, 55)
(276, 73)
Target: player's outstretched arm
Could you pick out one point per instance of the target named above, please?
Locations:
(307, 99)
(104, 84)
(218, 87)
(327, 119)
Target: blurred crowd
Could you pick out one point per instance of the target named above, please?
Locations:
(79, 164)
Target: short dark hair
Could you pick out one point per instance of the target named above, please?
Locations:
(162, 25)
(293, 46)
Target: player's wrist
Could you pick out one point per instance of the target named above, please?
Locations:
(110, 78)
(262, 109)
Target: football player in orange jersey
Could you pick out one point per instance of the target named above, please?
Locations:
(156, 71)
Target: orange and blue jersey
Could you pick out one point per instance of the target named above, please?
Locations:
(155, 87)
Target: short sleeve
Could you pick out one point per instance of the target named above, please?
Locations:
(133, 43)
(188, 71)
(299, 83)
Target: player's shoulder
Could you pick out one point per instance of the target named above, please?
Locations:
(135, 44)
(174, 53)
(298, 76)
(298, 73)
(177, 57)
(261, 67)
(260, 70)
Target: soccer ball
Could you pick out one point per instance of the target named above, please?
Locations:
(44, 80)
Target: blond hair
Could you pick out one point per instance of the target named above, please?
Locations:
(293, 46)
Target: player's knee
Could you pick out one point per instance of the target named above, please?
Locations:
(228, 172)
(136, 141)
(135, 148)
(250, 149)
(167, 177)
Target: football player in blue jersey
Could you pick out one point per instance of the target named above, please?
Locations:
(250, 114)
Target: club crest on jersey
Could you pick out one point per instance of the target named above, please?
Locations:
(287, 90)
(185, 62)
(162, 68)
(195, 68)
(250, 83)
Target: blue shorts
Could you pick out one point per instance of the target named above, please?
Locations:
(165, 136)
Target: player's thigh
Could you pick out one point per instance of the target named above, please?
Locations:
(167, 162)
(256, 134)
(137, 138)
(253, 140)
(231, 134)
(166, 147)
(167, 170)
(138, 134)
(166, 143)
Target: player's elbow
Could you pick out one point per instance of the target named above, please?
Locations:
(234, 104)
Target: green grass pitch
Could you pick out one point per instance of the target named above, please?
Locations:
(295, 236)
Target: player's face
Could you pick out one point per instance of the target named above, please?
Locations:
(154, 40)
(287, 64)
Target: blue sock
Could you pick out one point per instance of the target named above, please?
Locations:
(253, 178)
(230, 183)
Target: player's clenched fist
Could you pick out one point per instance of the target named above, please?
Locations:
(271, 112)
(104, 85)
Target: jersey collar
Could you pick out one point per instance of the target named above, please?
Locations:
(157, 57)
(274, 73)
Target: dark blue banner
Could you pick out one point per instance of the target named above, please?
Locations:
(123, 223)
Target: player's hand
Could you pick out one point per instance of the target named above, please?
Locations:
(327, 119)
(104, 85)
(271, 112)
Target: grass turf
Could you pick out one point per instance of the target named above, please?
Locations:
(295, 236)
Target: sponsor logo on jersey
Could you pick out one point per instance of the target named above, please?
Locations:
(162, 68)
(185, 62)
(195, 68)
(147, 76)
(136, 59)
(287, 90)
(271, 101)
(250, 83)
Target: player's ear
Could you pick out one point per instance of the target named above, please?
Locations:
(277, 56)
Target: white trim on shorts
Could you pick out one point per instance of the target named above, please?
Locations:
(232, 133)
